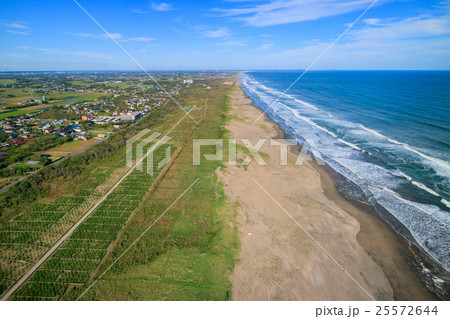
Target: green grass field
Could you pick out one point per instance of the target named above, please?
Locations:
(7, 81)
(121, 85)
(17, 113)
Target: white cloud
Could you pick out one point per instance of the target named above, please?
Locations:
(15, 55)
(232, 43)
(290, 11)
(17, 32)
(421, 26)
(421, 42)
(139, 11)
(139, 39)
(16, 25)
(161, 6)
(76, 53)
(217, 33)
(116, 36)
(266, 46)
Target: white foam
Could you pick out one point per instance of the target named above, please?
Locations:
(350, 144)
(420, 185)
(427, 224)
(372, 131)
(394, 141)
(445, 220)
(306, 104)
(445, 202)
(401, 174)
(437, 161)
(309, 121)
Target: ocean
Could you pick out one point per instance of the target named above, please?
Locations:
(387, 133)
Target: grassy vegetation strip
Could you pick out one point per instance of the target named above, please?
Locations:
(189, 253)
(16, 113)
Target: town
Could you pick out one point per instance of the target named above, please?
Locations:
(45, 116)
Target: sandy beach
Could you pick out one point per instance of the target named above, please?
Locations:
(300, 239)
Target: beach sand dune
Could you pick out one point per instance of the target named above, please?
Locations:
(278, 260)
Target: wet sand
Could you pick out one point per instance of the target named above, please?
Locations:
(349, 254)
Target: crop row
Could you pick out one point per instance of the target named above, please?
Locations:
(29, 235)
(83, 251)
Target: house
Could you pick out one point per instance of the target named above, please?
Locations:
(132, 116)
(44, 126)
(77, 129)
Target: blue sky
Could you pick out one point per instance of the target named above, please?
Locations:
(226, 34)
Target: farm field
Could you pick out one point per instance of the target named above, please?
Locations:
(69, 147)
(21, 95)
(121, 85)
(192, 231)
(27, 237)
(7, 81)
(17, 113)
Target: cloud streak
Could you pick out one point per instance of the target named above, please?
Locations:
(291, 11)
(17, 32)
(162, 6)
(16, 25)
(139, 11)
(383, 44)
(235, 43)
(220, 32)
(116, 36)
(76, 53)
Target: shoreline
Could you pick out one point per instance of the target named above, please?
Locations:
(330, 179)
(382, 245)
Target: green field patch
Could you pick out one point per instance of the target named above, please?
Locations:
(46, 275)
(39, 289)
(7, 81)
(77, 277)
(16, 113)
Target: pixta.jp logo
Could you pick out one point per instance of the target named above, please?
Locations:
(144, 145)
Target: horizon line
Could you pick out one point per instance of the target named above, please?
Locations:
(219, 70)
